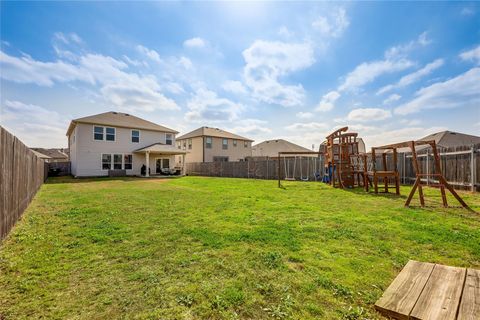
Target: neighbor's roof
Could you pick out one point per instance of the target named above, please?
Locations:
(40, 155)
(161, 148)
(447, 139)
(212, 132)
(51, 153)
(271, 148)
(119, 119)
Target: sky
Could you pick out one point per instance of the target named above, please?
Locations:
(265, 70)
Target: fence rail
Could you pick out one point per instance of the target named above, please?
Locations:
(460, 167)
(21, 175)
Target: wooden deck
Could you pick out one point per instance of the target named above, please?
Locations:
(432, 291)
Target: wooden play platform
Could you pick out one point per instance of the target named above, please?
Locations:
(432, 291)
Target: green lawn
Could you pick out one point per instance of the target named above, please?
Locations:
(213, 248)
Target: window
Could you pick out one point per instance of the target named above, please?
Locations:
(127, 159)
(98, 133)
(135, 136)
(245, 144)
(166, 163)
(208, 142)
(234, 143)
(106, 161)
(189, 144)
(220, 159)
(224, 144)
(184, 144)
(179, 144)
(110, 134)
(168, 139)
(117, 161)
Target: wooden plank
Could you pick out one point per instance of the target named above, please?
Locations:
(402, 294)
(470, 305)
(441, 296)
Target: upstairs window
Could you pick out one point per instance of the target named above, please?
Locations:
(110, 134)
(189, 144)
(169, 139)
(184, 144)
(245, 144)
(98, 133)
(208, 142)
(179, 144)
(106, 161)
(224, 144)
(234, 143)
(135, 136)
(127, 159)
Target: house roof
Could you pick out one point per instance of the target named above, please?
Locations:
(447, 139)
(212, 132)
(51, 153)
(161, 148)
(271, 148)
(119, 119)
(40, 155)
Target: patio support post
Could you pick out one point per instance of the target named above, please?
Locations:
(184, 165)
(147, 163)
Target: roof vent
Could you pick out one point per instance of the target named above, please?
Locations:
(115, 112)
(126, 114)
(453, 133)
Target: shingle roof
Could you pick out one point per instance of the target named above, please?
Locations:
(447, 139)
(161, 148)
(271, 148)
(119, 119)
(212, 132)
(51, 153)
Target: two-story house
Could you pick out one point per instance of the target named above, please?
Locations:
(119, 143)
(207, 144)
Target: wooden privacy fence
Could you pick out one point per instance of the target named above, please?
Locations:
(21, 175)
(460, 166)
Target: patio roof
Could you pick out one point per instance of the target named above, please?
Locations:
(160, 148)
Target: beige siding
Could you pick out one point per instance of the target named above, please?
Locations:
(233, 153)
(88, 152)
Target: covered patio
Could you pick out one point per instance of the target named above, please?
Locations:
(160, 160)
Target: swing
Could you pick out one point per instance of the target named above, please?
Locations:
(301, 170)
(286, 170)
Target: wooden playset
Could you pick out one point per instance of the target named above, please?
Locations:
(384, 175)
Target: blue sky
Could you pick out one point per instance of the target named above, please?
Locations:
(390, 71)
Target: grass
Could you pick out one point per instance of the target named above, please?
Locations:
(213, 248)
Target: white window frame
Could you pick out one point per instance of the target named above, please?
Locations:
(112, 161)
(171, 139)
(245, 144)
(234, 142)
(114, 134)
(101, 161)
(224, 145)
(103, 133)
(206, 143)
(189, 143)
(123, 161)
(131, 135)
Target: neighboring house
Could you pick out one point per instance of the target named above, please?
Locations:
(361, 146)
(271, 148)
(41, 155)
(207, 144)
(53, 155)
(449, 139)
(114, 143)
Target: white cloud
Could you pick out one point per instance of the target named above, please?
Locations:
(267, 62)
(235, 87)
(392, 98)
(368, 114)
(467, 11)
(308, 126)
(34, 125)
(284, 32)
(414, 76)
(471, 55)
(332, 25)
(369, 71)
(149, 53)
(205, 105)
(386, 135)
(185, 62)
(461, 91)
(401, 51)
(195, 43)
(122, 89)
(327, 101)
(252, 128)
(304, 115)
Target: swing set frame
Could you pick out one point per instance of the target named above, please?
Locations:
(292, 153)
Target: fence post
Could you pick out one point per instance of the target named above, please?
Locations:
(473, 167)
